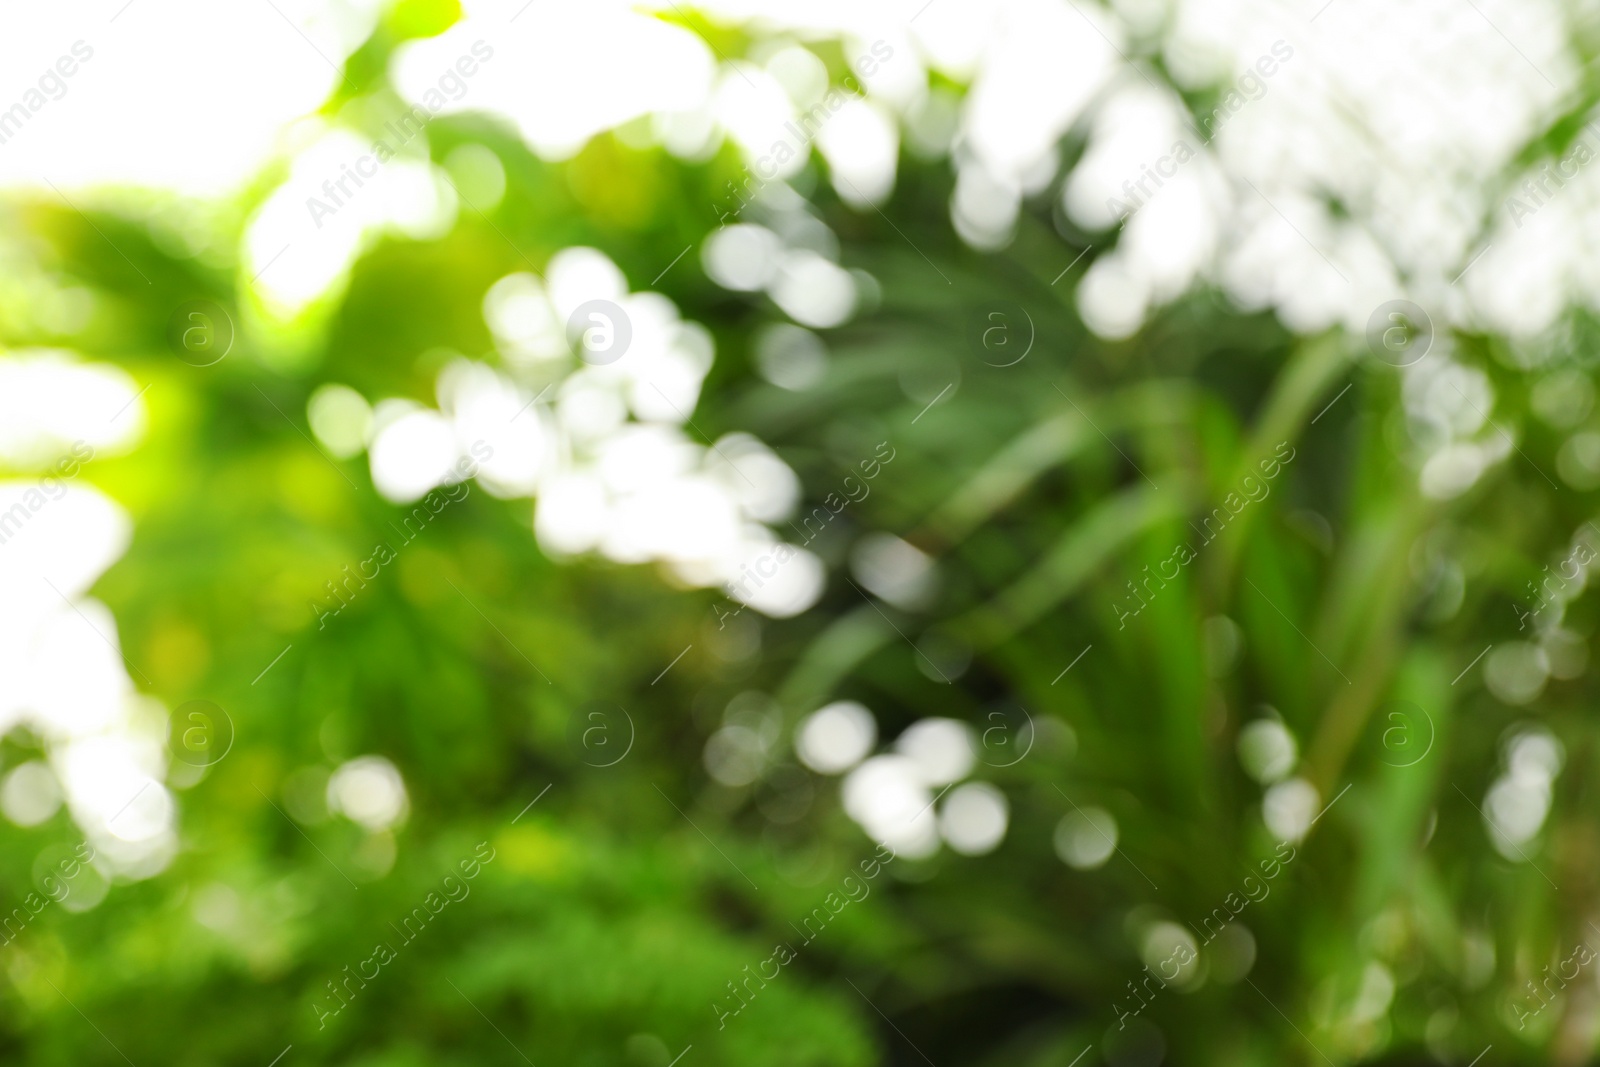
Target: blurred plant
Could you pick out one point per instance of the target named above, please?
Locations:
(1065, 785)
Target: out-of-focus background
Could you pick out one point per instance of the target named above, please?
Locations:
(941, 532)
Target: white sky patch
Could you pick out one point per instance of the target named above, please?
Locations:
(170, 94)
(565, 72)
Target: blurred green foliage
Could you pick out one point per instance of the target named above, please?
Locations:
(612, 921)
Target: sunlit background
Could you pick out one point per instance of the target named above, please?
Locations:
(687, 447)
